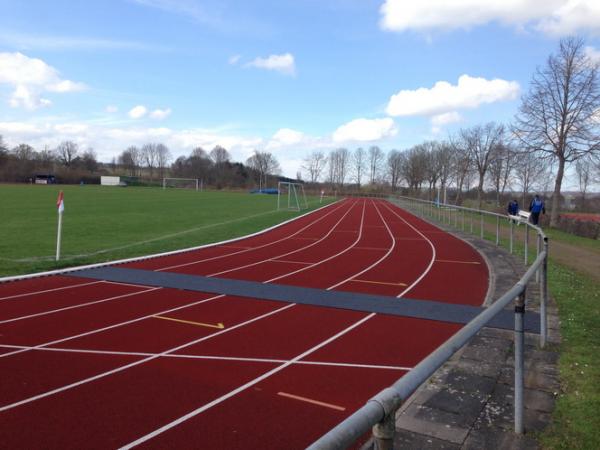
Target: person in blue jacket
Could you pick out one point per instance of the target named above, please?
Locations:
(536, 207)
(513, 207)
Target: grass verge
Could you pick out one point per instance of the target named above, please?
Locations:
(103, 223)
(576, 418)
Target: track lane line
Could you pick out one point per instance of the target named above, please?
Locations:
(289, 253)
(311, 401)
(243, 387)
(176, 266)
(166, 352)
(79, 305)
(49, 290)
(129, 322)
(209, 357)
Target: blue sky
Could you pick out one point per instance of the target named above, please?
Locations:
(284, 76)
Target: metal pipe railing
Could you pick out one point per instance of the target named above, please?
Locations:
(380, 411)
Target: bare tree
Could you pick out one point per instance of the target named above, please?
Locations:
(264, 163)
(163, 156)
(219, 155)
(414, 167)
(529, 171)
(314, 164)
(501, 165)
(339, 160)
(89, 160)
(583, 169)
(375, 160)
(462, 168)
(445, 156)
(66, 152)
(358, 165)
(149, 156)
(394, 162)
(556, 117)
(480, 142)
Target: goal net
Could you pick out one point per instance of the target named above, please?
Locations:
(182, 183)
(291, 196)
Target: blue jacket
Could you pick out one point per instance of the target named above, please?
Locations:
(513, 208)
(537, 206)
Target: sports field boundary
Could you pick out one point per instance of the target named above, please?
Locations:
(156, 255)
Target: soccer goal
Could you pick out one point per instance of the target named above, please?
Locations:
(292, 194)
(182, 183)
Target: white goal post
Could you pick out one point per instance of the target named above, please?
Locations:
(182, 183)
(293, 193)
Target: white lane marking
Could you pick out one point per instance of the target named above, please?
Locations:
(137, 363)
(49, 290)
(252, 248)
(79, 305)
(244, 386)
(207, 357)
(380, 259)
(288, 253)
(360, 231)
(128, 322)
(433, 253)
(312, 401)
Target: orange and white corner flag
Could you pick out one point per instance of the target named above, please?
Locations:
(60, 202)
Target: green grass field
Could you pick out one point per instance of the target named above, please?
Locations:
(103, 223)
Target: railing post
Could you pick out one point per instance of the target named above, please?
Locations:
(544, 297)
(526, 244)
(463, 220)
(471, 216)
(481, 225)
(456, 211)
(512, 236)
(497, 230)
(383, 433)
(538, 245)
(519, 360)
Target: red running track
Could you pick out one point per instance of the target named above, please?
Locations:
(97, 364)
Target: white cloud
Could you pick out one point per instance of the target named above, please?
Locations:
(593, 54)
(446, 118)
(556, 17)
(111, 109)
(137, 112)
(443, 97)
(233, 60)
(364, 130)
(160, 114)
(284, 64)
(287, 136)
(30, 77)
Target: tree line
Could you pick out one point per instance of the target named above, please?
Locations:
(557, 125)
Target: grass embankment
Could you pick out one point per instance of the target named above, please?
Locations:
(103, 223)
(576, 418)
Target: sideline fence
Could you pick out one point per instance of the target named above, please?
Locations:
(379, 413)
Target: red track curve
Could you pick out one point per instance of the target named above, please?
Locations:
(87, 364)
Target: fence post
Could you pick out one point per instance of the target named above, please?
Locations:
(463, 220)
(456, 211)
(538, 245)
(544, 297)
(497, 230)
(519, 360)
(512, 236)
(481, 223)
(526, 244)
(471, 216)
(383, 433)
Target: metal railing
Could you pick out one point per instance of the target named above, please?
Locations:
(379, 412)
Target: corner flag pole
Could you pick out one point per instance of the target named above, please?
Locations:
(60, 204)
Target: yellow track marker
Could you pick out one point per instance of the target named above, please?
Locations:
(457, 262)
(310, 400)
(380, 282)
(218, 326)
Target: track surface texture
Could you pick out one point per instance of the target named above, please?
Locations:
(100, 364)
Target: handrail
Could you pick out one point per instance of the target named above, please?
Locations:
(379, 412)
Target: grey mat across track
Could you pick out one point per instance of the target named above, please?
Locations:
(405, 307)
